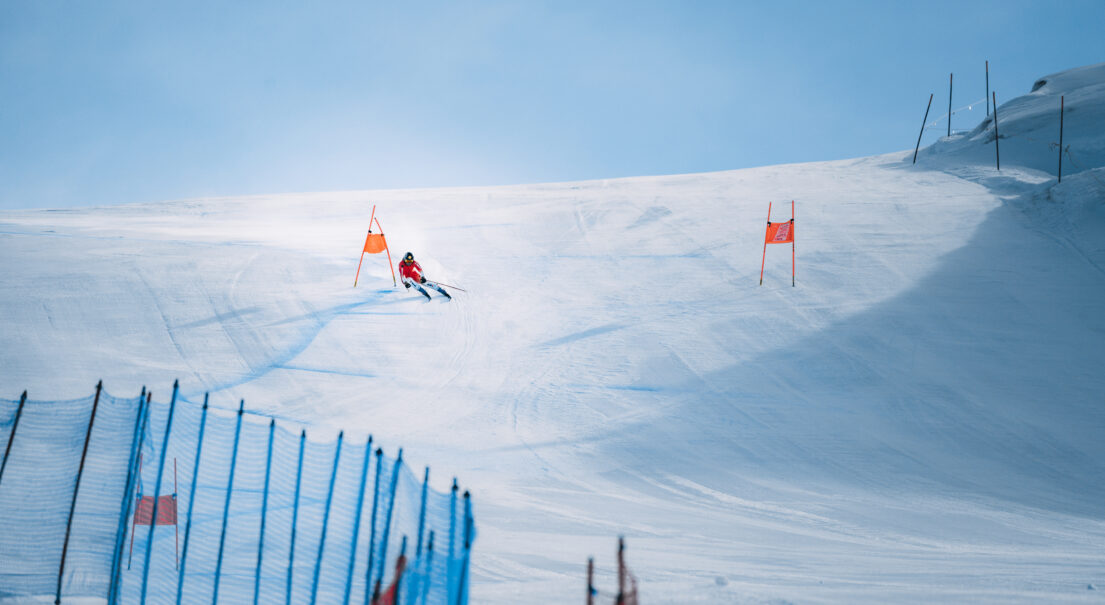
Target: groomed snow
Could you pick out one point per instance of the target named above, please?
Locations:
(920, 420)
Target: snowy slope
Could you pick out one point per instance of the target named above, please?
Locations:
(919, 420)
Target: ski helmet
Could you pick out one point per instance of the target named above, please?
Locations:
(408, 258)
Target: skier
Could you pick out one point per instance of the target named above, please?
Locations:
(411, 274)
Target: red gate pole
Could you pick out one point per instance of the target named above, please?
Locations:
(765, 246)
(793, 265)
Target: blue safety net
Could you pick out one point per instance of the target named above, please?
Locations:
(250, 513)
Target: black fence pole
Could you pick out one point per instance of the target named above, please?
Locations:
(922, 133)
(264, 511)
(326, 519)
(987, 89)
(157, 491)
(295, 516)
(372, 525)
(387, 518)
(997, 150)
(357, 520)
(226, 506)
(1062, 102)
(124, 506)
(76, 490)
(422, 513)
(453, 518)
(11, 436)
(191, 500)
(427, 578)
(951, 77)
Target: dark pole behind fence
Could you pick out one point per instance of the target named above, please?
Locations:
(326, 519)
(950, 78)
(11, 436)
(295, 516)
(922, 133)
(453, 519)
(372, 525)
(387, 517)
(124, 506)
(428, 577)
(467, 546)
(157, 491)
(77, 489)
(357, 519)
(422, 513)
(997, 150)
(987, 89)
(264, 511)
(226, 506)
(191, 500)
(591, 581)
(1062, 102)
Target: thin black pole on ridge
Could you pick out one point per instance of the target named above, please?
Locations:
(372, 524)
(124, 507)
(264, 510)
(191, 500)
(226, 507)
(997, 150)
(467, 547)
(426, 579)
(326, 519)
(987, 89)
(76, 490)
(357, 520)
(1062, 103)
(922, 133)
(11, 436)
(295, 516)
(157, 491)
(951, 77)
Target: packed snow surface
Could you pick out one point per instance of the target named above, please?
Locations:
(920, 419)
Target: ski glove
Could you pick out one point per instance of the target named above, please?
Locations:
(407, 285)
(421, 280)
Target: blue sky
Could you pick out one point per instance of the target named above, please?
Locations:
(115, 102)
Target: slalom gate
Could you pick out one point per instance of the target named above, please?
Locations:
(126, 500)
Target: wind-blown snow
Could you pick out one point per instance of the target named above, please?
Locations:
(919, 420)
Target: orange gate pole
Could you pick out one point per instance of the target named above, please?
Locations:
(765, 246)
(386, 249)
(358, 275)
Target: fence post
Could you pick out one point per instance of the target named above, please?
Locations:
(427, 577)
(422, 513)
(591, 581)
(77, 489)
(922, 133)
(295, 515)
(387, 518)
(1062, 103)
(264, 511)
(138, 471)
(326, 518)
(191, 500)
(157, 491)
(997, 150)
(124, 506)
(461, 592)
(621, 571)
(372, 530)
(357, 519)
(951, 77)
(226, 507)
(11, 436)
(987, 88)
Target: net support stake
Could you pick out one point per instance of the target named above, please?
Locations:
(264, 511)
(226, 506)
(357, 520)
(191, 500)
(295, 516)
(76, 490)
(157, 491)
(372, 524)
(326, 519)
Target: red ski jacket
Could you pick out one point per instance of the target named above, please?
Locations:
(413, 271)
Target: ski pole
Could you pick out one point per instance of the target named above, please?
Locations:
(448, 286)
